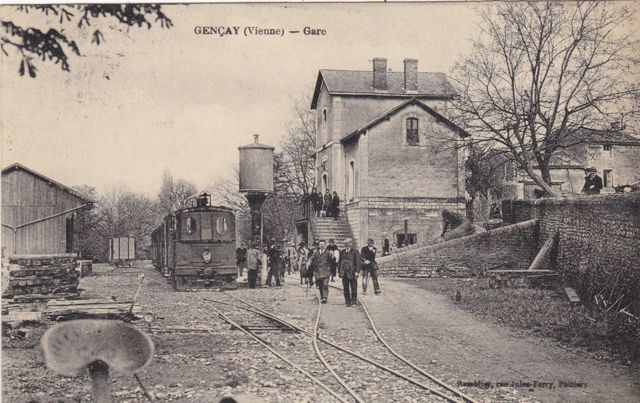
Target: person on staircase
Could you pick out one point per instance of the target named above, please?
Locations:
(335, 206)
(333, 248)
(316, 201)
(327, 203)
(369, 267)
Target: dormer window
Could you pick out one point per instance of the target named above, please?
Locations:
(413, 138)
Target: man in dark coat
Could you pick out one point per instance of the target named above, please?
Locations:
(276, 262)
(335, 205)
(369, 267)
(349, 270)
(321, 267)
(241, 258)
(592, 182)
(327, 203)
(316, 201)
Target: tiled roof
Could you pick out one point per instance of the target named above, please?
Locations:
(353, 82)
(594, 136)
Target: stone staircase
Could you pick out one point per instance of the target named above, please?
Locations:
(327, 227)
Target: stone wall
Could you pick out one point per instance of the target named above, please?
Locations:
(599, 242)
(512, 246)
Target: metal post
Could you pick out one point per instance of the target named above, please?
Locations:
(406, 231)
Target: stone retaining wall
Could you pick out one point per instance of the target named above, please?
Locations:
(512, 246)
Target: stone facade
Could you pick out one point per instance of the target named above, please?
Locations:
(364, 153)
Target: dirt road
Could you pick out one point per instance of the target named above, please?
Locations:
(435, 333)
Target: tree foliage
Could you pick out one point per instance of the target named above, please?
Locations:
(294, 168)
(174, 194)
(543, 71)
(116, 213)
(54, 44)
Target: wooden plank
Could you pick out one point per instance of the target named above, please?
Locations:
(572, 294)
(522, 271)
(544, 251)
(56, 302)
(22, 316)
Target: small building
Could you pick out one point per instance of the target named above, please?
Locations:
(613, 152)
(37, 213)
(386, 146)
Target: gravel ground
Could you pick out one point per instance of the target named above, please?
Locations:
(200, 358)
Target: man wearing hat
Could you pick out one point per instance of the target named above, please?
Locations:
(275, 262)
(321, 266)
(592, 182)
(333, 248)
(254, 261)
(349, 270)
(369, 267)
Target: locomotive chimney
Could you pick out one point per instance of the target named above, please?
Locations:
(380, 73)
(410, 75)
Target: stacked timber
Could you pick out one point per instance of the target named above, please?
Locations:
(41, 275)
(91, 308)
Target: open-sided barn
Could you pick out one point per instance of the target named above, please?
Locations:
(37, 213)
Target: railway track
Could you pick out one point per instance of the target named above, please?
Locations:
(441, 389)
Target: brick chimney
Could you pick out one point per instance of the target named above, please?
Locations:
(379, 73)
(410, 75)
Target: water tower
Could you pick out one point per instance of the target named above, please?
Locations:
(256, 180)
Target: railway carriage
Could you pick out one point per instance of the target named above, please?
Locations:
(195, 246)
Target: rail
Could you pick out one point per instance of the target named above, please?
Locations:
(353, 353)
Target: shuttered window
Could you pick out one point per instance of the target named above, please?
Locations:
(412, 132)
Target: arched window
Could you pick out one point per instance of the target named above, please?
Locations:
(325, 182)
(351, 181)
(324, 115)
(413, 138)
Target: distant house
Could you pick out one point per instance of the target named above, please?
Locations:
(614, 153)
(387, 148)
(37, 213)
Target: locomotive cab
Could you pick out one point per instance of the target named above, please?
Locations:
(201, 253)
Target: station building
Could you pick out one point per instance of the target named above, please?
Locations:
(386, 146)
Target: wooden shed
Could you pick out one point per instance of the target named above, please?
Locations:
(37, 213)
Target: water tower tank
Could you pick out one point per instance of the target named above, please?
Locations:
(256, 167)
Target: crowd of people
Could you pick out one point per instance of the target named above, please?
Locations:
(318, 264)
(327, 205)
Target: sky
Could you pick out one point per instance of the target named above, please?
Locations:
(146, 101)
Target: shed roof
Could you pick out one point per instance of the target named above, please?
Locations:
(360, 83)
(18, 166)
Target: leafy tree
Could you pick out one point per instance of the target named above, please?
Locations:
(174, 194)
(54, 44)
(541, 72)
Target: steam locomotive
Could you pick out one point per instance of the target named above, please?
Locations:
(195, 246)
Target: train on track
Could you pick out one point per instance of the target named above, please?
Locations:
(195, 246)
